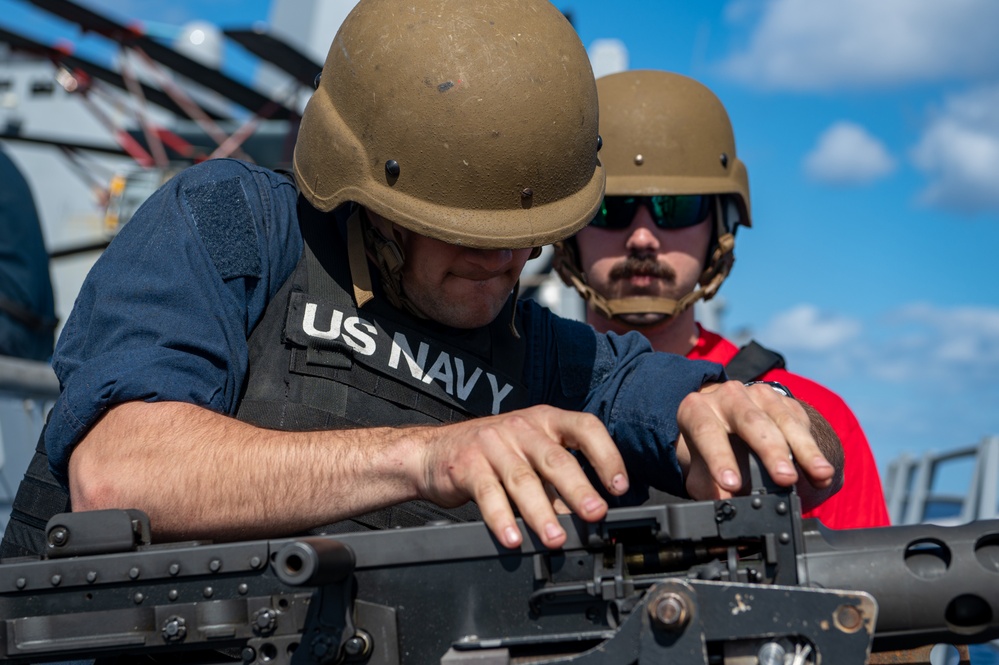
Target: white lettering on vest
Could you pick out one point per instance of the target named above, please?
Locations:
(359, 340)
(400, 346)
(309, 323)
(498, 394)
(441, 369)
(361, 336)
(465, 389)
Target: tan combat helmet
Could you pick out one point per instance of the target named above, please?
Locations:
(664, 133)
(472, 122)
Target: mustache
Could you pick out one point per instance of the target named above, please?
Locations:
(642, 265)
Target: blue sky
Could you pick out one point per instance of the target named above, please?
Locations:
(871, 134)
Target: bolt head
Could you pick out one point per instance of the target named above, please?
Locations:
(669, 611)
(264, 620)
(322, 646)
(58, 537)
(174, 629)
(358, 646)
(849, 618)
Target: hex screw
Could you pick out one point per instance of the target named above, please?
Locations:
(322, 648)
(91, 577)
(726, 511)
(215, 565)
(174, 569)
(133, 573)
(264, 621)
(174, 629)
(669, 611)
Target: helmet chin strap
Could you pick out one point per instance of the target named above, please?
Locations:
(711, 279)
(364, 240)
(717, 268)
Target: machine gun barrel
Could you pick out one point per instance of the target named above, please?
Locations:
(931, 583)
(689, 583)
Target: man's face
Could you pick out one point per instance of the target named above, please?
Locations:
(457, 286)
(644, 260)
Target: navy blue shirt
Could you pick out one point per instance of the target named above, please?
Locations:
(166, 312)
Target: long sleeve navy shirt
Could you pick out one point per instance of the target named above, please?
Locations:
(166, 312)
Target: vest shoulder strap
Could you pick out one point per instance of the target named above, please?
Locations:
(753, 361)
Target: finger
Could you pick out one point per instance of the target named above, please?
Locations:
(700, 484)
(706, 436)
(764, 419)
(584, 432)
(562, 470)
(526, 489)
(558, 505)
(493, 503)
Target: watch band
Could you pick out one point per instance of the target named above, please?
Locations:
(778, 387)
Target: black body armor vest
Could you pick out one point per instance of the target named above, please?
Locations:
(318, 362)
(346, 368)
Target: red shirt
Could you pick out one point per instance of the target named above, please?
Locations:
(860, 503)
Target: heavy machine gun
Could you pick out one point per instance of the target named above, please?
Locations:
(736, 582)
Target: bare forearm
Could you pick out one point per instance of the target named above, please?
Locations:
(202, 475)
(199, 474)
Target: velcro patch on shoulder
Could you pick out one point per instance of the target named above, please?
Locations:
(225, 222)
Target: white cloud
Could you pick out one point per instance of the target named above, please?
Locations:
(808, 45)
(847, 154)
(959, 150)
(957, 336)
(608, 56)
(805, 328)
(920, 377)
(949, 346)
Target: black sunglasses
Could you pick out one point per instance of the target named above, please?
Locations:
(668, 211)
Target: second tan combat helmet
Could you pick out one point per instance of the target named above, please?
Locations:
(472, 122)
(664, 133)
